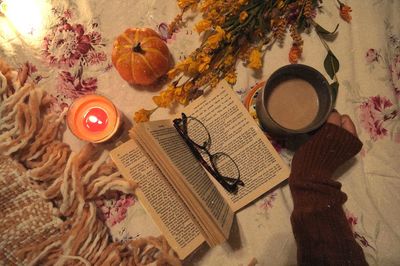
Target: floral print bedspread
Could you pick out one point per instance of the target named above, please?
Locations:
(69, 54)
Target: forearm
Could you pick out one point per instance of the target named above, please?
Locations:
(320, 227)
(319, 223)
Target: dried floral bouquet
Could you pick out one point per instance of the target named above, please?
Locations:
(239, 30)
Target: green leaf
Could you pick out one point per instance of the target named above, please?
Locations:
(334, 88)
(331, 64)
(324, 32)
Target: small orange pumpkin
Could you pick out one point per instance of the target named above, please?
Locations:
(140, 56)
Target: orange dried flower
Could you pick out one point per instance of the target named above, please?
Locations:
(255, 59)
(203, 25)
(143, 115)
(231, 78)
(243, 16)
(165, 98)
(344, 11)
(295, 54)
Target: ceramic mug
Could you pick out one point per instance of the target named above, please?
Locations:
(283, 90)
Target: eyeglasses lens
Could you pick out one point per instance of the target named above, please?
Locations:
(226, 167)
(197, 132)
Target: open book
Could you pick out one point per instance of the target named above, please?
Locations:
(185, 201)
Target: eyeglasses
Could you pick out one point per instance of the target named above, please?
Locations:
(220, 165)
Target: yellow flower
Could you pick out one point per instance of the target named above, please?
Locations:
(188, 66)
(215, 14)
(212, 15)
(181, 96)
(165, 98)
(159, 101)
(204, 62)
(178, 92)
(229, 60)
(193, 68)
(243, 16)
(231, 78)
(143, 115)
(173, 73)
(183, 100)
(255, 59)
(188, 86)
(203, 25)
(213, 40)
(186, 3)
(205, 4)
(214, 82)
(178, 68)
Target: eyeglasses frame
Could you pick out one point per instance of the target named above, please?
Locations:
(181, 126)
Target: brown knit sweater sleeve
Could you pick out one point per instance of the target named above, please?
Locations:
(319, 224)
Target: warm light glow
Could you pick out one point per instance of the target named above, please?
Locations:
(26, 17)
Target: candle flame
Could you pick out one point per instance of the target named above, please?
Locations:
(93, 119)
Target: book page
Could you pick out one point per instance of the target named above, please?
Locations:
(158, 198)
(194, 177)
(233, 131)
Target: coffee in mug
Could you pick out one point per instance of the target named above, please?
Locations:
(293, 104)
(296, 99)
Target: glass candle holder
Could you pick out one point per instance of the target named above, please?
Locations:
(93, 118)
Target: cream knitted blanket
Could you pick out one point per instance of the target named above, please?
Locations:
(48, 192)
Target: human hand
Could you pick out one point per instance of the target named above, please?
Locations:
(343, 121)
(331, 146)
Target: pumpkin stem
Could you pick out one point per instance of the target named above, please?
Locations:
(137, 48)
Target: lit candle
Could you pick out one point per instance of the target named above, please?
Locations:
(93, 118)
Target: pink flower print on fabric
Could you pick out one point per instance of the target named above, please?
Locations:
(116, 216)
(72, 86)
(55, 105)
(95, 58)
(372, 55)
(67, 14)
(114, 211)
(67, 44)
(95, 37)
(351, 219)
(373, 113)
(26, 71)
(61, 46)
(267, 202)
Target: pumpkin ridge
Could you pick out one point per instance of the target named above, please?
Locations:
(154, 73)
(132, 61)
(121, 58)
(150, 39)
(157, 52)
(126, 46)
(126, 38)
